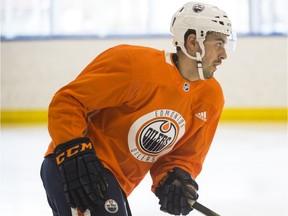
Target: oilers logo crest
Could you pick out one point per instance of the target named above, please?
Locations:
(198, 8)
(111, 206)
(155, 134)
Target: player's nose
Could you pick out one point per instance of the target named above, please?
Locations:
(223, 54)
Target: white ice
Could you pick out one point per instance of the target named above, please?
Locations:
(245, 173)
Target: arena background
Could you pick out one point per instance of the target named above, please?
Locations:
(245, 172)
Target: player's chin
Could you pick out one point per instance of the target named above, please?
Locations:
(209, 74)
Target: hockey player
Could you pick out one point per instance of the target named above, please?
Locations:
(135, 110)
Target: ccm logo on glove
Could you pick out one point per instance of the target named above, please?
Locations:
(74, 150)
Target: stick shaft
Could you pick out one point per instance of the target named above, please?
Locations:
(204, 210)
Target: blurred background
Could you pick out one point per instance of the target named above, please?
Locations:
(47, 43)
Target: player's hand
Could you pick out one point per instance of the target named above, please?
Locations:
(177, 191)
(81, 173)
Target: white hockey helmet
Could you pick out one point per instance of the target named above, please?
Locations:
(202, 18)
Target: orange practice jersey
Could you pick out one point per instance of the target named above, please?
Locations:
(139, 113)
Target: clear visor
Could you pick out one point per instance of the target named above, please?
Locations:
(231, 42)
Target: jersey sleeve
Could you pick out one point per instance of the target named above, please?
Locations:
(104, 83)
(188, 156)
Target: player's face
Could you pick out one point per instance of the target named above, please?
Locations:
(214, 53)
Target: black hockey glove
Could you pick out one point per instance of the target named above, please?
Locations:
(175, 191)
(81, 173)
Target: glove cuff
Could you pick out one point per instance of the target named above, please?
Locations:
(73, 148)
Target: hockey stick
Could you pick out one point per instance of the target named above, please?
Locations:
(76, 212)
(201, 208)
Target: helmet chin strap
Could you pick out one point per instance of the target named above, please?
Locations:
(198, 59)
(199, 66)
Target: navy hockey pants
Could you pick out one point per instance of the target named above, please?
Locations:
(116, 203)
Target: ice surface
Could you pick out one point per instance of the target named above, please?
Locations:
(245, 173)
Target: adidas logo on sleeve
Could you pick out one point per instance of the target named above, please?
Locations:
(201, 115)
